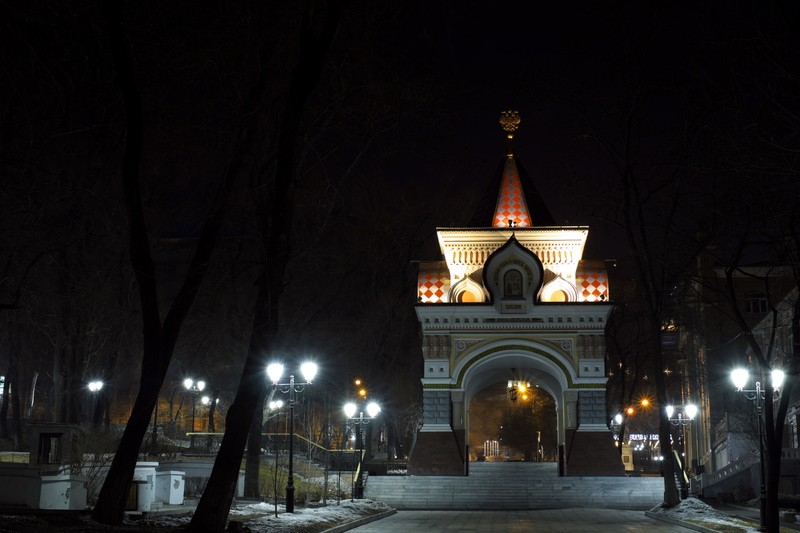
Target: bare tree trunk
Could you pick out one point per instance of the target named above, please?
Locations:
(252, 465)
(212, 511)
(671, 494)
(773, 422)
(4, 407)
(35, 378)
(158, 340)
(12, 381)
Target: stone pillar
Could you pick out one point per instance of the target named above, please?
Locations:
(570, 409)
(590, 448)
(440, 449)
(592, 410)
(436, 410)
(457, 397)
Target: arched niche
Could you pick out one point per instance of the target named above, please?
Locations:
(513, 277)
(467, 291)
(559, 290)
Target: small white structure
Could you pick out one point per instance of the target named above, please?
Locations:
(46, 482)
(27, 485)
(170, 485)
(62, 491)
(144, 477)
(196, 474)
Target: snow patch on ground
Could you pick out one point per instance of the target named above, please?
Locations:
(696, 512)
(261, 516)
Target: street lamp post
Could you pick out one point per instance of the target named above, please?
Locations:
(740, 377)
(360, 421)
(94, 388)
(292, 388)
(274, 405)
(193, 387)
(211, 404)
(616, 425)
(681, 416)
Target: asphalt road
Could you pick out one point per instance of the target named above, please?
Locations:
(556, 520)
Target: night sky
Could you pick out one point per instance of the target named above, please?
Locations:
(568, 69)
(412, 92)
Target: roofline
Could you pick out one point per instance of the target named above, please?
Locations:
(537, 304)
(516, 229)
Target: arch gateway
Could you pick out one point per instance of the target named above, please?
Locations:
(516, 294)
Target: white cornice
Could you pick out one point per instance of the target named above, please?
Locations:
(559, 248)
(469, 317)
(541, 236)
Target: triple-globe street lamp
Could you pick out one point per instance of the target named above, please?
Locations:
(360, 422)
(292, 388)
(194, 388)
(211, 404)
(740, 377)
(94, 387)
(681, 416)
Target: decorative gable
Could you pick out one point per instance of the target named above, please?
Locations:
(513, 276)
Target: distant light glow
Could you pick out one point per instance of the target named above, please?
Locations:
(275, 405)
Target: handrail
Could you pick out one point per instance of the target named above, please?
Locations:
(679, 466)
(358, 468)
(296, 436)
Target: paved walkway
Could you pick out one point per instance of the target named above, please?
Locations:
(558, 520)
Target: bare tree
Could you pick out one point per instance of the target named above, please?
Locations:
(159, 338)
(275, 204)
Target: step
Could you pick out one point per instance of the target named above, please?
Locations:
(514, 486)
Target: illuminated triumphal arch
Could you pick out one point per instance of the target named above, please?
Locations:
(514, 294)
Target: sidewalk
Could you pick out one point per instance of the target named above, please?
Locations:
(749, 512)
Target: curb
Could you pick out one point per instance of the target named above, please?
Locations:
(360, 522)
(673, 521)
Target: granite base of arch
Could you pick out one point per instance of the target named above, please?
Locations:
(592, 453)
(587, 453)
(439, 453)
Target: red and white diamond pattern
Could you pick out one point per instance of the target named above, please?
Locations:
(511, 205)
(592, 281)
(433, 282)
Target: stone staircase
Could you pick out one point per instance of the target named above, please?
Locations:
(515, 486)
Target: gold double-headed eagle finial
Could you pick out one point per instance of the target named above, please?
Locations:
(510, 120)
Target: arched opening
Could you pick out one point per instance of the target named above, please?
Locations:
(558, 296)
(467, 297)
(513, 424)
